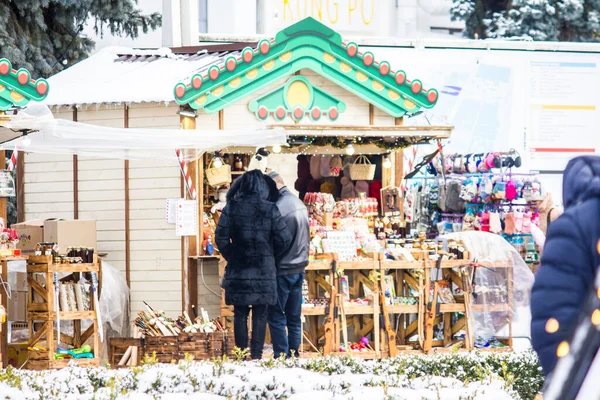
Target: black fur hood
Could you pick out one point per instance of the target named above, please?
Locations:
(254, 183)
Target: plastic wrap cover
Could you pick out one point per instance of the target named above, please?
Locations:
(114, 301)
(491, 284)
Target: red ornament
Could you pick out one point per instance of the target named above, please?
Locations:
(315, 113)
(298, 112)
(280, 112)
(263, 113)
(179, 90)
(333, 113)
(432, 96)
(41, 87)
(384, 68)
(230, 64)
(4, 67)
(352, 49)
(264, 46)
(247, 54)
(368, 59)
(415, 86)
(400, 77)
(22, 77)
(196, 82)
(213, 72)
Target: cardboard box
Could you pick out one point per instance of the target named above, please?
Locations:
(70, 233)
(30, 233)
(17, 354)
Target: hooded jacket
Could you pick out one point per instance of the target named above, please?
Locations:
(252, 236)
(570, 260)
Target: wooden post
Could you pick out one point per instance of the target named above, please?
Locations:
(3, 210)
(127, 207)
(399, 167)
(190, 247)
(75, 177)
(20, 186)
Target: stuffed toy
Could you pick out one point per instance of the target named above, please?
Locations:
(325, 166)
(468, 222)
(348, 191)
(328, 187)
(536, 190)
(259, 160)
(335, 166)
(315, 166)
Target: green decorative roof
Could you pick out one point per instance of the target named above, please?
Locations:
(17, 88)
(312, 45)
(297, 97)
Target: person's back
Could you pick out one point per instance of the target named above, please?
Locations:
(251, 236)
(285, 317)
(569, 261)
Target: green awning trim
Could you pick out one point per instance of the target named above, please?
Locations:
(307, 44)
(17, 88)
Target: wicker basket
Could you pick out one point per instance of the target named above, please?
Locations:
(362, 169)
(218, 176)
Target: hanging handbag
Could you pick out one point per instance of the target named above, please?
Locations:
(362, 169)
(218, 176)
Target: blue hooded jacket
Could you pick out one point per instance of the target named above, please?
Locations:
(570, 259)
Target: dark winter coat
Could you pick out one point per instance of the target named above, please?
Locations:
(252, 237)
(570, 259)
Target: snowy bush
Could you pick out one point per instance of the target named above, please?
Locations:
(451, 376)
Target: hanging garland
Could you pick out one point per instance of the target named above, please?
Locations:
(388, 143)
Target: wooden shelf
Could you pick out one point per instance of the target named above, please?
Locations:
(318, 266)
(490, 307)
(353, 309)
(39, 365)
(403, 309)
(317, 310)
(402, 265)
(358, 265)
(458, 307)
(64, 315)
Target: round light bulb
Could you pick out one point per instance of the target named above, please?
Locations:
(26, 141)
(350, 150)
(217, 163)
(387, 163)
(276, 148)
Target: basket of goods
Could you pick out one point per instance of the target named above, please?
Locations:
(362, 169)
(218, 173)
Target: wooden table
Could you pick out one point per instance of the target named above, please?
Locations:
(4, 301)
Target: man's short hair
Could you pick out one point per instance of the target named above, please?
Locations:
(277, 178)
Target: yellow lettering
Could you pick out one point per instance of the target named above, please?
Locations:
(362, 8)
(351, 9)
(318, 8)
(286, 6)
(336, 7)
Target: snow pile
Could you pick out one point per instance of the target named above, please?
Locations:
(454, 376)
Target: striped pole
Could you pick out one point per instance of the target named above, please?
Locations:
(186, 175)
(12, 163)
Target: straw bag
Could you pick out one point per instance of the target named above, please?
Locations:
(362, 169)
(218, 176)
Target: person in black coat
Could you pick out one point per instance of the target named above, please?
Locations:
(251, 236)
(569, 262)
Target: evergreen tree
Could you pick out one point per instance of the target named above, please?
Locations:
(44, 36)
(564, 20)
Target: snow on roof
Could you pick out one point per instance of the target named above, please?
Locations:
(125, 75)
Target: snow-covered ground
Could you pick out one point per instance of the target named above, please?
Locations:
(454, 376)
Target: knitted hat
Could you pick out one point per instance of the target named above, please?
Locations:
(347, 188)
(303, 167)
(315, 167)
(361, 187)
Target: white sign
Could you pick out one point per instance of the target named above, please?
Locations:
(171, 208)
(186, 218)
(342, 243)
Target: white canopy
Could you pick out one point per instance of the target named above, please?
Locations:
(57, 136)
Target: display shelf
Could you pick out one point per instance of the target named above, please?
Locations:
(310, 311)
(4, 302)
(42, 314)
(387, 264)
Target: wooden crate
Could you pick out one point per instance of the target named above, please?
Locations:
(117, 347)
(165, 347)
(194, 344)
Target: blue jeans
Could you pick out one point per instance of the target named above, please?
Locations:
(287, 313)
